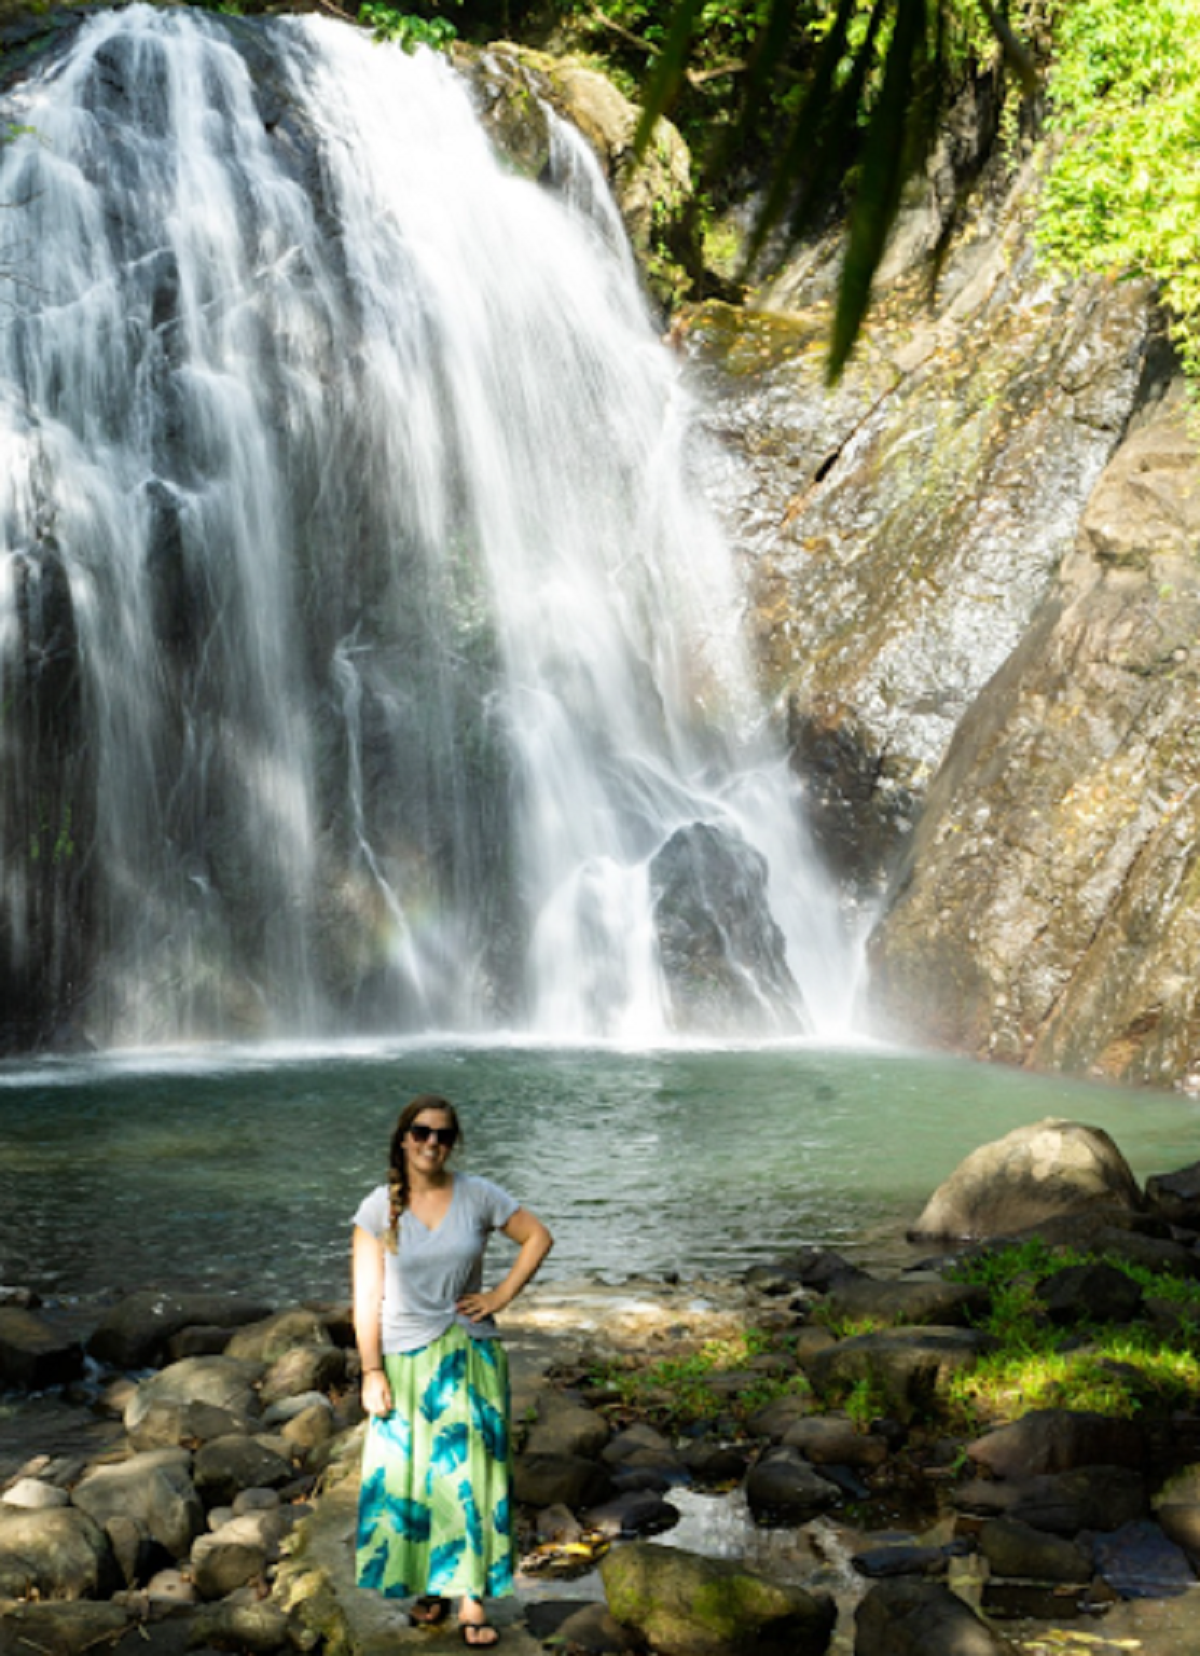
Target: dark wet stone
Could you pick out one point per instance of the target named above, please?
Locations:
(907, 1364)
(1013, 1548)
(641, 1512)
(949, 1304)
(1093, 1293)
(881, 1563)
(783, 1488)
(559, 1480)
(33, 1354)
(909, 1617)
(731, 975)
(1054, 1440)
(1140, 1561)
(1087, 1498)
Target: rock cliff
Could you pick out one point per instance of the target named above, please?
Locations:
(976, 593)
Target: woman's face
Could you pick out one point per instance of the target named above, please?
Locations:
(429, 1141)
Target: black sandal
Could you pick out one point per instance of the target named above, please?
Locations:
(465, 1628)
(429, 1610)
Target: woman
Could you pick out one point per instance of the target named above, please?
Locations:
(435, 1509)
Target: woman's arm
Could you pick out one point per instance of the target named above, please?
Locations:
(368, 1306)
(534, 1242)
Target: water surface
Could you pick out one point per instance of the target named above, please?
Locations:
(240, 1169)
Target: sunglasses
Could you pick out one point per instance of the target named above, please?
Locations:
(419, 1132)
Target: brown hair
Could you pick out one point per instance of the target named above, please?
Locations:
(397, 1165)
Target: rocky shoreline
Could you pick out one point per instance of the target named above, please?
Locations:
(702, 1468)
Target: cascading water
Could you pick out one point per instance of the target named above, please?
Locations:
(369, 658)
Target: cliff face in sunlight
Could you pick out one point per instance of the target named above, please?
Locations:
(976, 594)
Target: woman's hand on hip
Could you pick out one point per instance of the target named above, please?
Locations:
(479, 1306)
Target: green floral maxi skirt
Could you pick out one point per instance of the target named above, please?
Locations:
(435, 1506)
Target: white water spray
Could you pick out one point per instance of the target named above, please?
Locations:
(402, 679)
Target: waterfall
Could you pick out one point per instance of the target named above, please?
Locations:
(369, 657)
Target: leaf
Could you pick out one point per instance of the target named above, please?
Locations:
(500, 1578)
(443, 1384)
(896, 120)
(449, 1450)
(443, 1561)
(820, 120)
(490, 1425)
(371, 1574)
(668, 71)
(409, 1518)
(471, 1516)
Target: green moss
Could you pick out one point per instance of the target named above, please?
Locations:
(1115, 1369)
(679, 1391)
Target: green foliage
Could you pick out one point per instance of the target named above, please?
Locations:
(1124, 196)
(405, 29)
(864, 1402)
(679, 1391)
(1115, 1369)
(840, 98)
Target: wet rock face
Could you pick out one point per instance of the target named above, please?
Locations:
(723, 955)
(517, 88)
(1049, 911)
(901, 530)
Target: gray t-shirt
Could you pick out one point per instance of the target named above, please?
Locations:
(431, 1270)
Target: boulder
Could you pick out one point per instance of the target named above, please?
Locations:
(304, 1368)
(33, 1355)
(166, 1425)
(222, 1382)
(1096, 1292)
(774, 1418)
(66, 1628)
(567, 1428)
(716, 1463)
(53, 1553)
(1034, 1173)
(34, 1493)
(728, 975)
(783, 1488)
(637, 1512)
(907, 1366)
(554, 1480)
(155, 1488)
(832, 1440)
(134, 1549)
(1063, 1503)
(909, 1617)
(641, 1446)
(821, 1269)
(245, 1623)
(900, 1558)
(948, 1304)
(307, 1433)
(225, 1466)
(684, 1605)
(1176, 1196)
(1177, 1508)
(1139, 1560)
(221, 1563)
(589, 1629)
(1018, 1550)
(1058, 1440)
(267, 1340)
(134, 1333)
